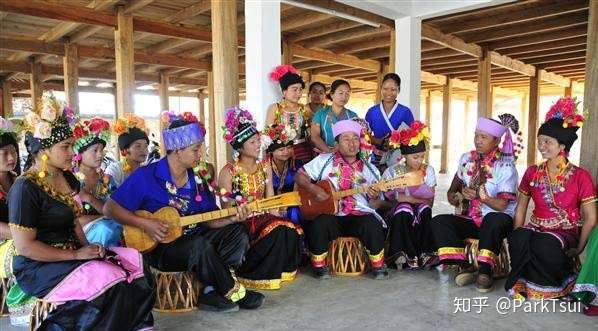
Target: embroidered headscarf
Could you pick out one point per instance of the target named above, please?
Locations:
(497, 129)
(183, 130)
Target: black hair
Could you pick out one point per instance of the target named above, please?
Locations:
(336, 84)
(314, 84)
(392, 76)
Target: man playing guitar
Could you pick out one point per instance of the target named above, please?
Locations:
(356, 216)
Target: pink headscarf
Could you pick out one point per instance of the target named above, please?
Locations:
(498, 129)
(346, 126)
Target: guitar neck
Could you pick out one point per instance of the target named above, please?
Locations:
(213, 215)
(353, 191)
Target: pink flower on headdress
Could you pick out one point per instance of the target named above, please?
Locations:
(566, 109)
(281, 70)
(234, 117)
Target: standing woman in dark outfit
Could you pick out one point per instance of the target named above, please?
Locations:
(316, 96)
(388, 116)
(92, 288)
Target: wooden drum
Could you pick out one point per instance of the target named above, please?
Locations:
(175, 291)
(502, 264)
(347, 257)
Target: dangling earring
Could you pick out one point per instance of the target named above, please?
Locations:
(126, 165)
(76, 164)
(43, 171)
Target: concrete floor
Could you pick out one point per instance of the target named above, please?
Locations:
(412, 300)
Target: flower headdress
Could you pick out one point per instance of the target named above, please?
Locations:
(238, 127)
(286, 75)
(566, 109)
(276, 136)
(562, 121)
(50, 122)
(125, 124)
(181, 136)
(7, 127)
(90, 132)
(417, 134)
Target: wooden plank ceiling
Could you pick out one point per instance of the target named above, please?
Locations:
(550, 35)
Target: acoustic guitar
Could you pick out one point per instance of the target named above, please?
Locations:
(311, 208)
(137, 238)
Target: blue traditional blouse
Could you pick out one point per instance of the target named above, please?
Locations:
(383, 124)
(151, 187)
(287, 185)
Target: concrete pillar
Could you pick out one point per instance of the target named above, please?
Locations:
(408, 61)
(262, 31)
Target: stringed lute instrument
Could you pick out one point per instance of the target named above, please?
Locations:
(311, 208)
(137, 238)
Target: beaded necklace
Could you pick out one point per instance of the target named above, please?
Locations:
(248, 186)
(203, 181)
(556, 182)
(298, 120)
(66, 199)
(281, 176)
(101, 190)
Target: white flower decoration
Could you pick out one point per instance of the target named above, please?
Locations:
(48, 114)
(290, 132)
(32, 119)
(43, 130)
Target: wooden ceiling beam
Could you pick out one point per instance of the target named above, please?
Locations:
(362, 45)
(102, 53)
(340, 36)
(374, 53)
(339, 7)
(553, 58)
(431, 78)
(545, 46)
(321, 30)
(439, 53)
(564, 63)
(435, 35)
(512, 64)
(526, 28)
(296, 21)
(310, 64)
(434, 68)
(544, 37)
(553, 78)
(84, 15)
(513, 17)
(355, 83)
(559, 51)
(447, 60)
(330, 57)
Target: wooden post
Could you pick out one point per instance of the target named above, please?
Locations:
(35, 82)
(163, 89)
(7, 111)
(446, 109)
(378, 95)
(569, 90)
(225, 66)
(484, 88)
(429, 122)
(392, 56)
(211, 127)
(287, 53)
(589, 151)
(533, 114)
(71, 75)
(125, 64)
(466, 127)
(202, 111)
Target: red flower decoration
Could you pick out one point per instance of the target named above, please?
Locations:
(281, 70)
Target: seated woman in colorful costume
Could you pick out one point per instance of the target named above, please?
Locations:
(484, 191)
(322, 137)
(274, 254)
(133, 146)
(345, 169)
(92, 287)
(386, 117)
(10, 169)
(278, 142)
(209, 250)
(91, 137)
(289, 112)
(410, 238)
(542, 251)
